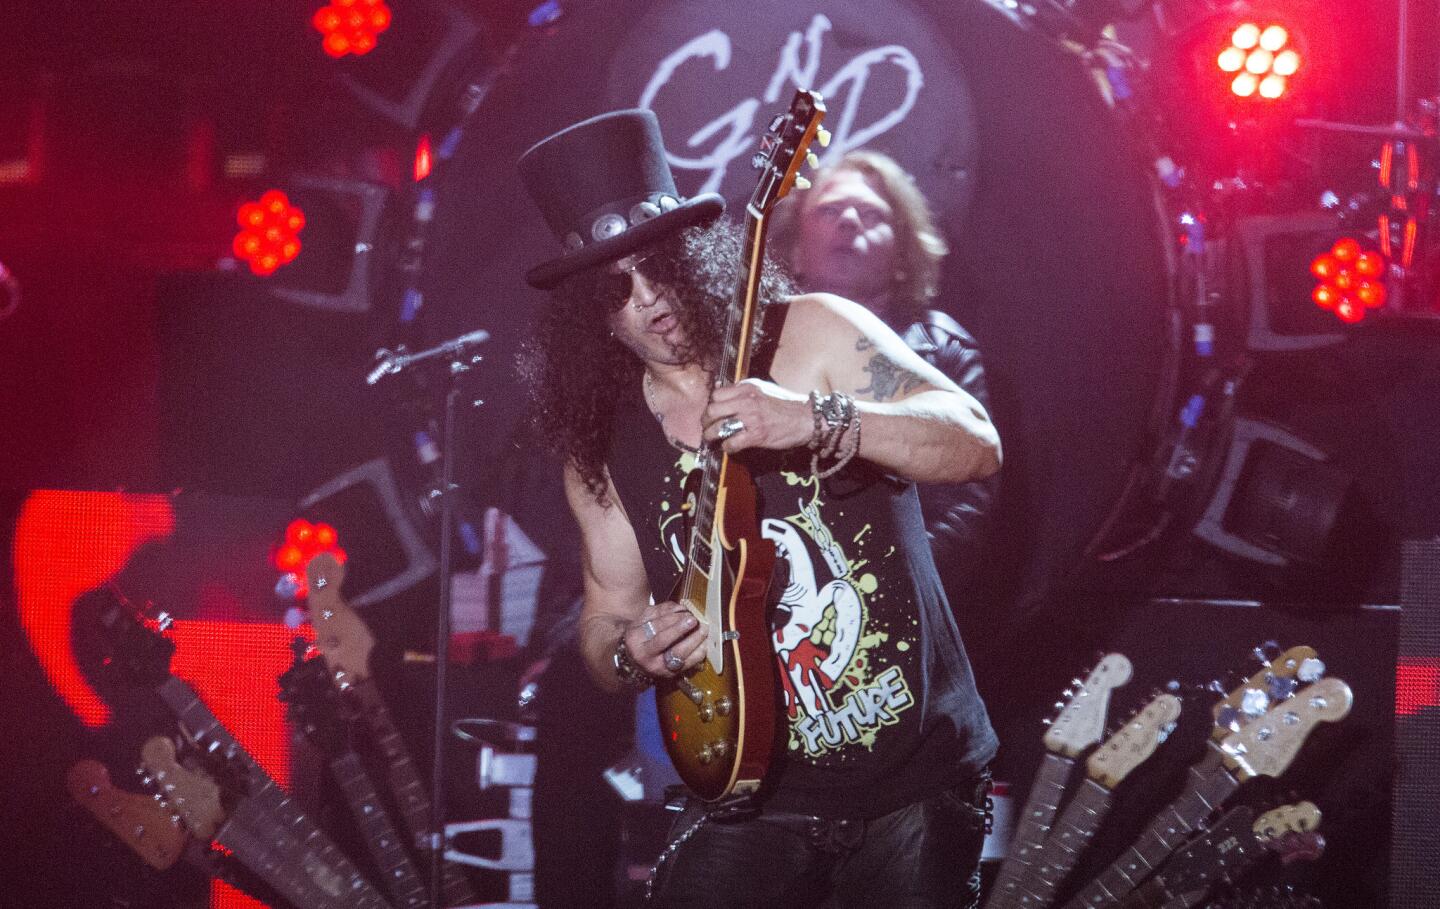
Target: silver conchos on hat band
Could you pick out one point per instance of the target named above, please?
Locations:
(611, 224)
(608, 226)
(641, 212)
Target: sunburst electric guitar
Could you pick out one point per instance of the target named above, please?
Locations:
(719, 720)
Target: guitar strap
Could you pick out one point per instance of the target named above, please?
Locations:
(763, 357)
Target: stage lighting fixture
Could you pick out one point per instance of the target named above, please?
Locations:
(399, 78)
(342, 225)
(1351, 280)
(1277, 499)
(387, 553)
(269, 234)
(1279, 254)
(351, 26)
(1259, 61)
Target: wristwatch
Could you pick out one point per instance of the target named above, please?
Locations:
(629, 673)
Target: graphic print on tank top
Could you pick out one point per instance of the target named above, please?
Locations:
(842, 672)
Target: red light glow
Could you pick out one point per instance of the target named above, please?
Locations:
(351, 26)
(1350, 280)
(424, 160)
(1417, 685)
(1259, 60)
(269, 232)
(303, 542)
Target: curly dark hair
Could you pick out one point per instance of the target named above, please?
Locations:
(576, 372)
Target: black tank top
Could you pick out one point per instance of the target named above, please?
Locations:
(877, 690)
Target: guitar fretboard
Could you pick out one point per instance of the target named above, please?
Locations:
(1063, 848)
(406, 787)
(1041, 804)
(250, 833)
(1208, 785)
(741, 328)
(402, 880)
(285, 815)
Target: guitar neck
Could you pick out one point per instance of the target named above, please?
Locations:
(1224, 852)
(1208, 785)
(284, 812)
(1063, 848)
(402, 880)
(406, 786)
(1044, 799)
(252, 836)
(741, 328)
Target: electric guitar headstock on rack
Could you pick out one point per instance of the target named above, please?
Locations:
(1134, 742)
(1081, 721)
(142, 822)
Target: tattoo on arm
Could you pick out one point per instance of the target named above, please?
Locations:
(887, 379)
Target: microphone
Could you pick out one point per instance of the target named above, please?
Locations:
(389, 363)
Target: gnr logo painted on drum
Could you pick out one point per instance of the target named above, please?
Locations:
(798, 67)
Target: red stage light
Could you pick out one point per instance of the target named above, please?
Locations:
(1345, 287)
(424, 161)
(1260, 61)
(351, 26)
(269, 232)
(303, 542)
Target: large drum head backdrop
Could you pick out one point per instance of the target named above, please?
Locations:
(1057, 263)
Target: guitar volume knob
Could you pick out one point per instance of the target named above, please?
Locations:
(724, 706)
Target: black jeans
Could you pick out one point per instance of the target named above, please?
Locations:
(923, 856)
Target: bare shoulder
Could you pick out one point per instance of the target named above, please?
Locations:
(843, 346)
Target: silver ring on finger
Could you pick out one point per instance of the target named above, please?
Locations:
(673, 662)
(649, 628)
(730, 427)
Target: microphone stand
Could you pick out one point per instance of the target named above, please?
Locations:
(458, 366)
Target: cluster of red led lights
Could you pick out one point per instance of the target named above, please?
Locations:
(269, 232)
(303, 542)
(351, 26)
(1350, 280)
(1260, 60)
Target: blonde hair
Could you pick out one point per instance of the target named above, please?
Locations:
(919, 245)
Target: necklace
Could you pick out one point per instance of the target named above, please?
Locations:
(648, 389)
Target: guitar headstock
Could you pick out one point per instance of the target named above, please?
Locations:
(191, 794)
(1081, 722)
(312, 702)
(1276, 681)
(139, 821)
(1134, 742)
(340, 634)
(1301, 817)
(784, 147)
(138, 649)
(1266, 746)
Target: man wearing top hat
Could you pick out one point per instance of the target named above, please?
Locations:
(876, 794)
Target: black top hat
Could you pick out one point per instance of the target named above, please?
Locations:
(604, 187)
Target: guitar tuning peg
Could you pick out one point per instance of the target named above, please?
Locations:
(1076, 682)
(1173, 686)
(812, 159)
(822, 135)
(1068, 692)
(1046, 722)
(1312, 669)
(1059, 705)
(802, 183)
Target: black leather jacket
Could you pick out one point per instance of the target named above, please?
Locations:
(956, 514)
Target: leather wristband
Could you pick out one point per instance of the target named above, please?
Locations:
(627, 670)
